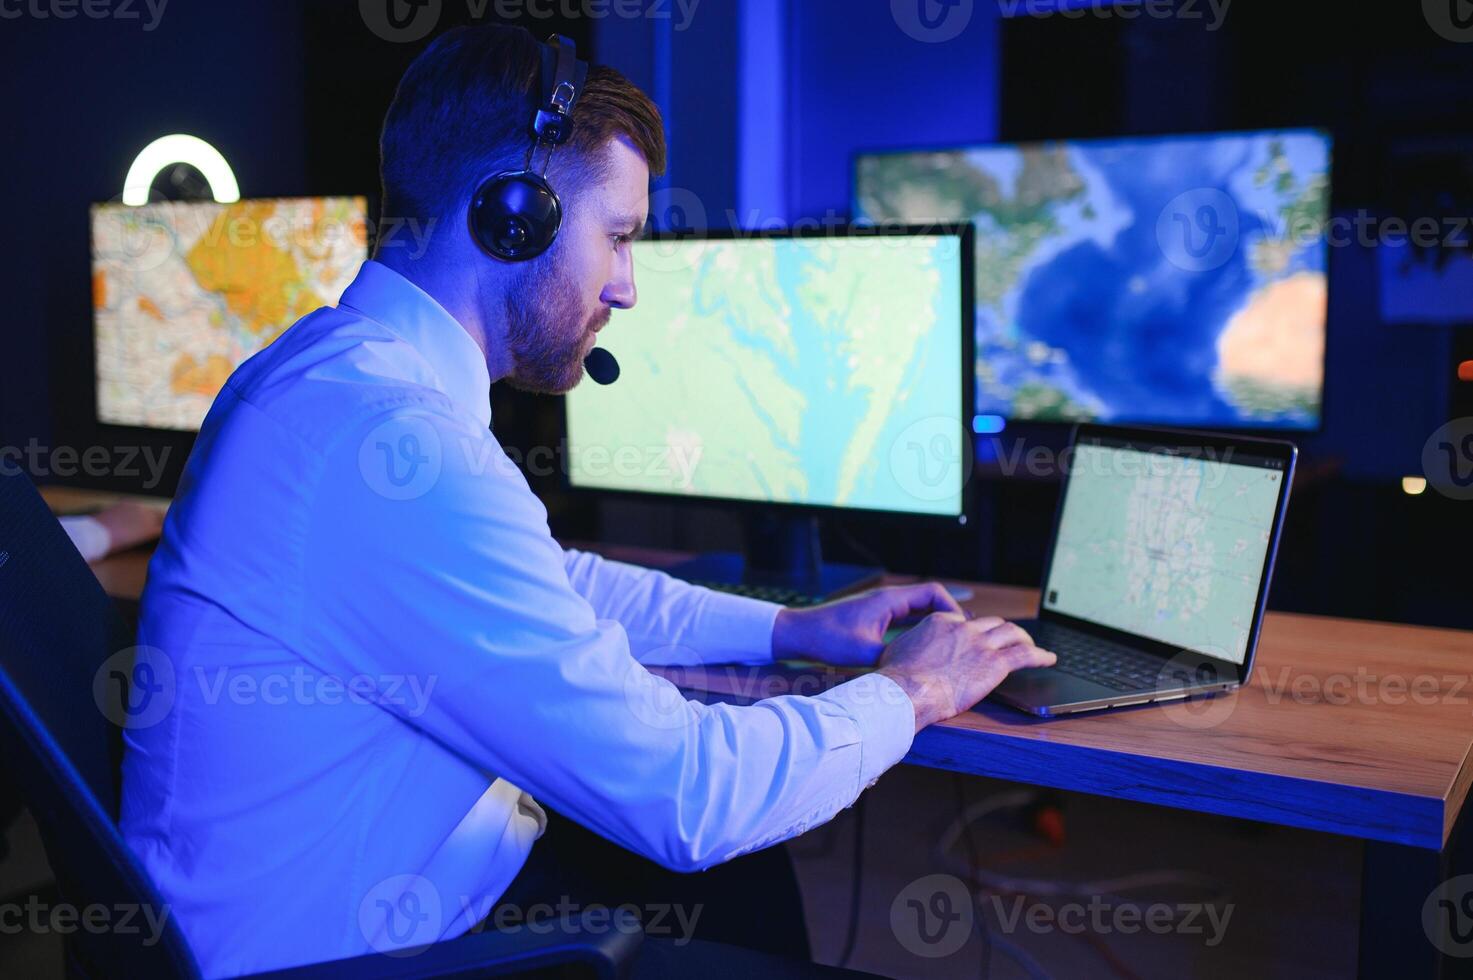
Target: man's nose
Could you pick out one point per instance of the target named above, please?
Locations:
(620, 293)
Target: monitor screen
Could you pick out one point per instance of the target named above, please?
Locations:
(184, 291)
(1166, 546)
(820, 371)
(1171, 280)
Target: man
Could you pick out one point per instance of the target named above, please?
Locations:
(371, 664)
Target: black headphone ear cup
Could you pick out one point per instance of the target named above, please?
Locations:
(515, 216)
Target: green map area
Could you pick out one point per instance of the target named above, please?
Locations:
(816, 371)
(1165, 547)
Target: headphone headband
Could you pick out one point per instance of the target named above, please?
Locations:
(562, 76)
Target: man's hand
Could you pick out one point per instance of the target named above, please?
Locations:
(130, 523)
(851, 632)
(948, 663)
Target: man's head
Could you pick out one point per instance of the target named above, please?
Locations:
(461, 114)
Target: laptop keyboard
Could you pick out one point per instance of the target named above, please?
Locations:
(1110, 664)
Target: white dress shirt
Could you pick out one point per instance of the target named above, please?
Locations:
(367, 659)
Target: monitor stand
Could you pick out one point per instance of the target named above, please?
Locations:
(778, 552)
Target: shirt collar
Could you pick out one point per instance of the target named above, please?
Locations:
(383, 295)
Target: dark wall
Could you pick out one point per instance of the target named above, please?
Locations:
(294, 94)
(81, 97)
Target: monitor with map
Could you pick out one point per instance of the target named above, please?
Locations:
(184, 291)
(1177, 280)
(823, 371)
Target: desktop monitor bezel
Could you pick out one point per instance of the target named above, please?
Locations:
(1185, 441)
(963, 232)
(1059, 426)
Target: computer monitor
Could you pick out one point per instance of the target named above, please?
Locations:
(1174, 280)
(184, 291)
(792, 372)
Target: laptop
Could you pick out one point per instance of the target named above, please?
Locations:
(1158, 571)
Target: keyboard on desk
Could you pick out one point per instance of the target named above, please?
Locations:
(768, 593)
(1115, 666)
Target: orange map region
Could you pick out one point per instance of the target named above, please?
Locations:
(190, 377)
(259, 281)
(99, 290)
(146, 305)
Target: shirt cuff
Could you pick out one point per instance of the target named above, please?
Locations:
(741, 626)
(886, 720)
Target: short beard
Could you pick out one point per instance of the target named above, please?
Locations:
(545, 329)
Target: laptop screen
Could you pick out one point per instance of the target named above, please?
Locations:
(1165, 543)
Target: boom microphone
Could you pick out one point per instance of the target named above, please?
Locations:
(601, 366)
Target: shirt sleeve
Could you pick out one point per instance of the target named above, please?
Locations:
(454, 582)
(670, 622)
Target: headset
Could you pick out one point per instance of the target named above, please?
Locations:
(515, 215)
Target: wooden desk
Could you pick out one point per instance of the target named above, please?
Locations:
(1347, 727)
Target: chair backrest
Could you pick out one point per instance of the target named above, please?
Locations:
(60, 641)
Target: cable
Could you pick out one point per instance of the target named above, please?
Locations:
(856, 886)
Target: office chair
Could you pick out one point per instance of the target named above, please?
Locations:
(57, 628)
